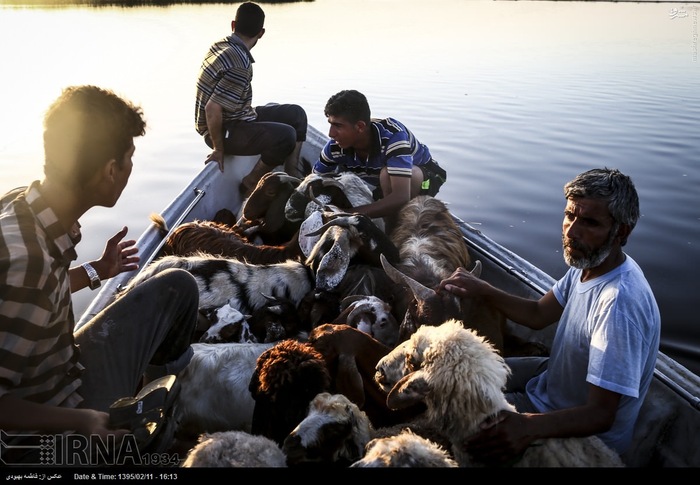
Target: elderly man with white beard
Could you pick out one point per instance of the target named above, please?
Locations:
(604, 350)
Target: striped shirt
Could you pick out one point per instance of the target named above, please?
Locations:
(38, 357)
(225, 77)
(393, 146)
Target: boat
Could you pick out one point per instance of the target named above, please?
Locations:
(668, 427)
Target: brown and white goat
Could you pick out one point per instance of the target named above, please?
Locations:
(262, 213)
(221, 239)
(324, 306)
(371, 315)
(431, 247)
(351, 357)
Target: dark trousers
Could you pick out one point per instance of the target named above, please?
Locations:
(522, 370)
(147, 331)
(273, 134)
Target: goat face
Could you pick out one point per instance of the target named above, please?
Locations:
(265, 208)
(277, 320)
(372, 316)
(231, 326)
(271, 188)
(405, 358)
(427, 306)
(335, 431)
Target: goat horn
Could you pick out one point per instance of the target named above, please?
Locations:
(476, 270)
(285, 177)
(408, 391)
(359, 308)
(420, 291)
(331, 182)
(349, 300)
(338, 221)
(313, 197)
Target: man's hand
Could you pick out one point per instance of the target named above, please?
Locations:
(462, 284)
(118, 256)
(218, 157)
(502, 439)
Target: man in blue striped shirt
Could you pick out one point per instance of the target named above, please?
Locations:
(225, 116)
(382, 151)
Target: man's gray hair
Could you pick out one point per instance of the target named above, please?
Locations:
(611, 185)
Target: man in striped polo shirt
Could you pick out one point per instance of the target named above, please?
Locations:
(383, 152)
(224, 114)
(57, 383)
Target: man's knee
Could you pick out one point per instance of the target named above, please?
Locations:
(522, 370)
(183, 307)
(180, 279)
(284, 142)
(301, 122)
(173, 366)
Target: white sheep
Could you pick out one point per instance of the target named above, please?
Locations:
(214, 394)
(235, 449)
(460, 378)
(404, 450)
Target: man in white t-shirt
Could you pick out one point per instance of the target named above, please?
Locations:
(604, 351)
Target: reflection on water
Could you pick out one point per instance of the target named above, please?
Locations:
(513, 98)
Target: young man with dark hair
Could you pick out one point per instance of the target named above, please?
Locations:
(225, 116)
(383, 152)
(54, 379)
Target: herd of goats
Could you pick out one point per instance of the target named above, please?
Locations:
(322, 340)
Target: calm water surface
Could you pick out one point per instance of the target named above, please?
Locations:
(513, 98)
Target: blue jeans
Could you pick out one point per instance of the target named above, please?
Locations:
(147, 331)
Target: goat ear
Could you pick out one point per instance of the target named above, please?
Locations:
(309, 225)
(348, 380)
(410, 390)
(334, 264)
